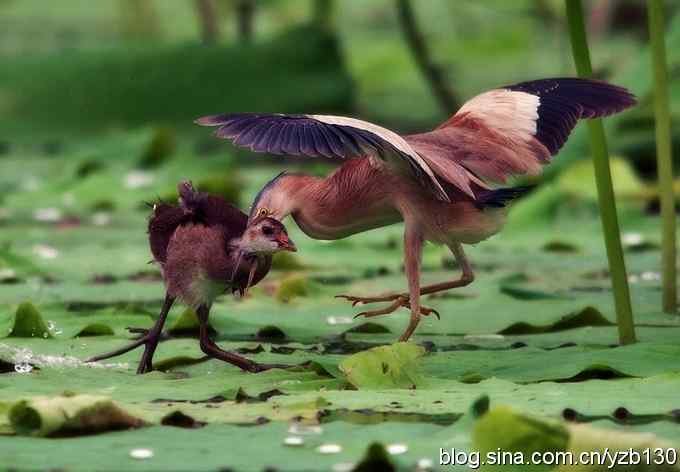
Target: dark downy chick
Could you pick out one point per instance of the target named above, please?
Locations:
(205, 247)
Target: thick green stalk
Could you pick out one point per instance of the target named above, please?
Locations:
(605, 191)
(664, 160)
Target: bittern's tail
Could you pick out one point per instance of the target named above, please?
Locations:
(499, 198)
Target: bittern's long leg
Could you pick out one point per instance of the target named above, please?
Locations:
(150, 339)
(465, 279)
(413, 245)
(413, 248)
(209, 347)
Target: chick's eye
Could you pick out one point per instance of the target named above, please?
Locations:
(267, 230)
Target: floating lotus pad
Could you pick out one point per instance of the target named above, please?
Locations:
(395, 366)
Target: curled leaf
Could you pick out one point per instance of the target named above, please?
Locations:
(79, 414)
(28, 323)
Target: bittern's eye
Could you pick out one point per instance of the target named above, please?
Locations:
(262, 212)
(267, 230)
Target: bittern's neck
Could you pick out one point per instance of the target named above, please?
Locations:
(348, 201)
(292, 193)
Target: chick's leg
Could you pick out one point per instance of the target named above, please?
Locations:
(154, 336)
(211, 349)
(150, 339)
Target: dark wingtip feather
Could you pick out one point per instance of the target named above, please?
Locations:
(626, 99)
(565, 100)
(598, 98)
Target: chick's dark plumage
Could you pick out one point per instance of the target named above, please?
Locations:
(205, 246)
(193, 244)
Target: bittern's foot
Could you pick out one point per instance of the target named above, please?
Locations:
(399, 301)
(150, 340)
(362, 300)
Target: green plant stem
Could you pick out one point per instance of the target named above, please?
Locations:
(664, 159)
(605, 191)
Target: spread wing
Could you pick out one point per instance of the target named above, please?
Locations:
(509, 131)
(334, 137)
(514, 130)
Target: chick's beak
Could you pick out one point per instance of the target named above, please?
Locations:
(285, 243)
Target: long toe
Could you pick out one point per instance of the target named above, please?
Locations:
(354, 300)
(425, 311)
(372, 313)
(263, 367)
(391, 308)
(362, 300)
(148, 339)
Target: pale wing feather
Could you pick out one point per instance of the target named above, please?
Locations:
(388, 135)
(512, 113)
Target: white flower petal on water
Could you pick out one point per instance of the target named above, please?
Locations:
(45, 251)
(141, 453)
(48, 215)
(293, 441)
(329, 448)
(396, 449)
(632, 239)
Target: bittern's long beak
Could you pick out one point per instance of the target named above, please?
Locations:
(285, 243)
